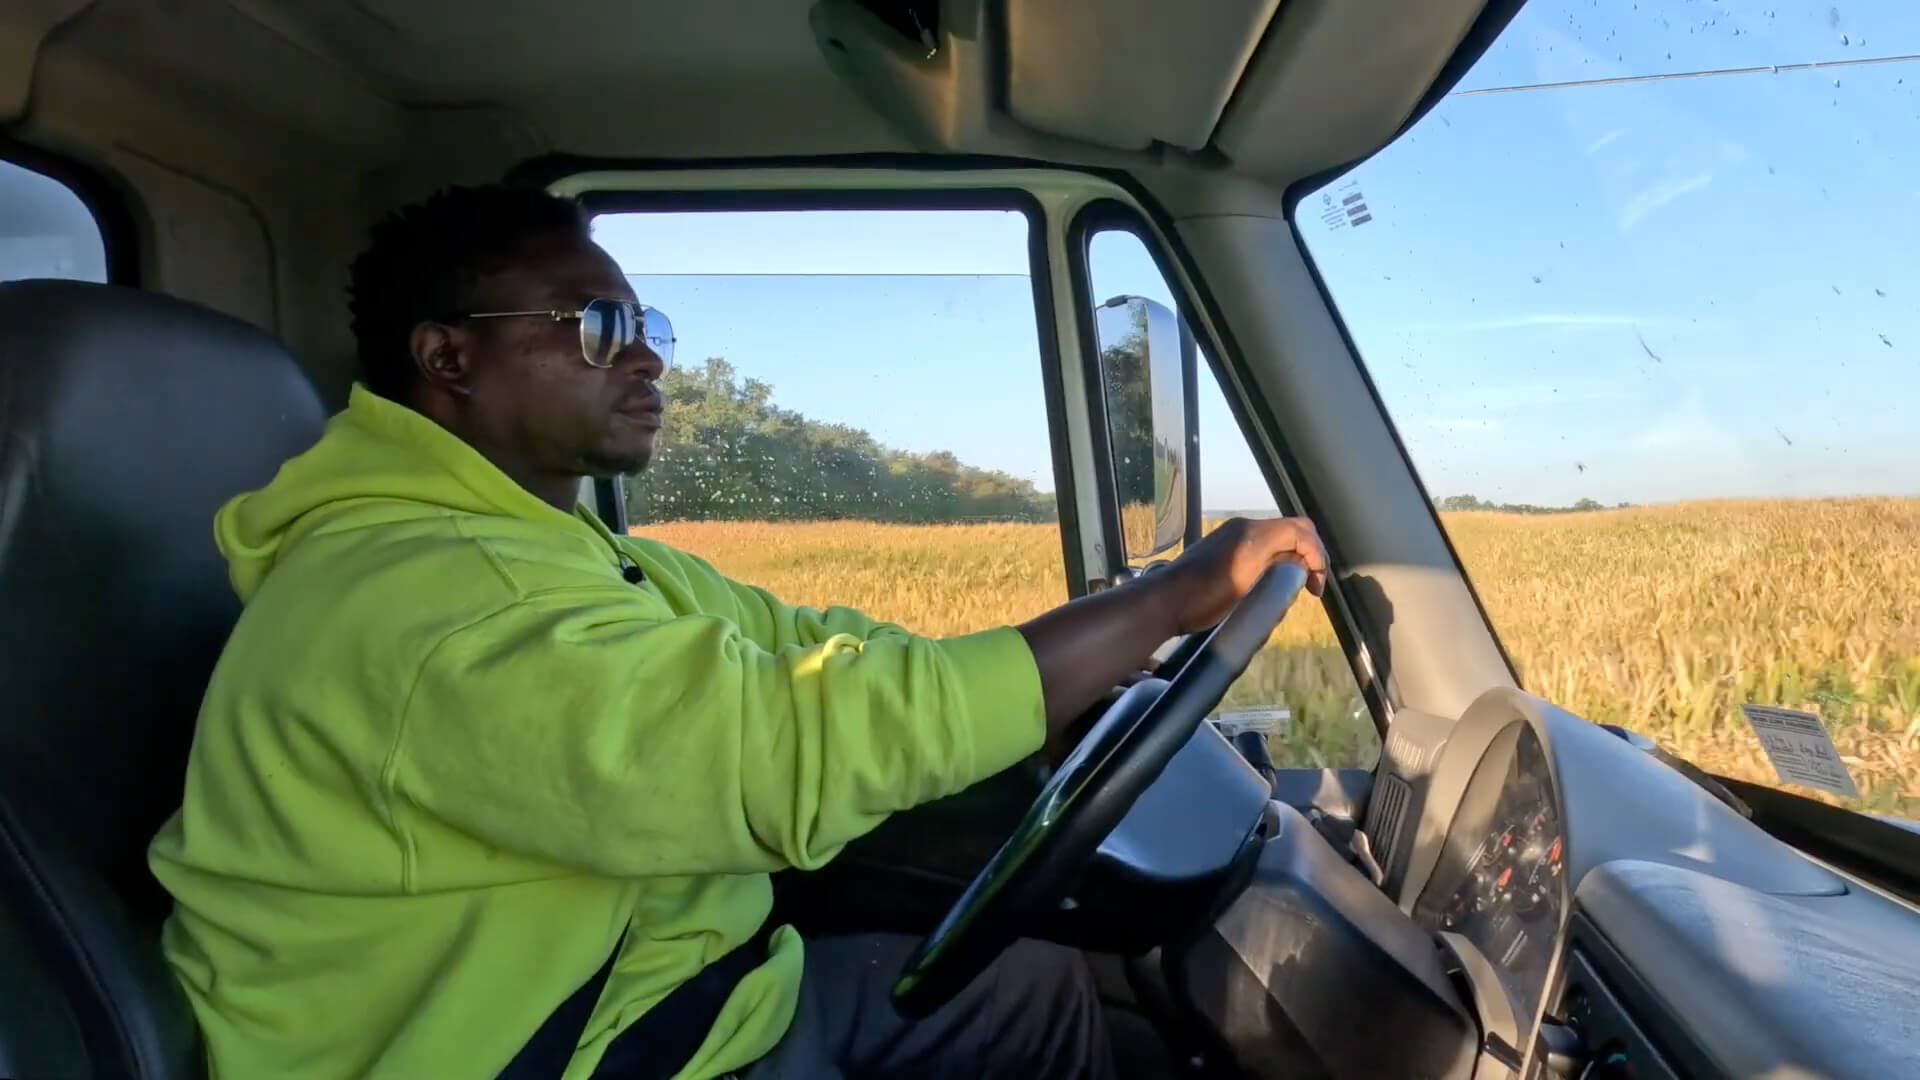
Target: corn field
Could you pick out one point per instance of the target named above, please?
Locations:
(1661, 619)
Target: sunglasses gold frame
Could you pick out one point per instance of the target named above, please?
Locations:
(637, 318)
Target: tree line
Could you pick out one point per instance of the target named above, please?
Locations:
(727, 452)
(1468, 502)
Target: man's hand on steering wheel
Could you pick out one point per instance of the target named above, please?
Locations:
(1204, 583)
(1199, 588)
(1086, 648)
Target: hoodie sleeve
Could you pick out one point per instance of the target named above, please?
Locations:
(763, 618)
(594, 729)
(775, 625)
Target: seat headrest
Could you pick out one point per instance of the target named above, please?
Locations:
(126, 419)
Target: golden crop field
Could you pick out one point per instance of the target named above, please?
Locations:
(1662, 619)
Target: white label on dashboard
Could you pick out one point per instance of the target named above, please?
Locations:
(1801, 750)
(1264, 721)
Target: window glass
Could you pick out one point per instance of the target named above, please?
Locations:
(1300, 684)
(45, 230)
(857, 414)
(1642, 297)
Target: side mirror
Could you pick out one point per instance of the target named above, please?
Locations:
(1148, 371)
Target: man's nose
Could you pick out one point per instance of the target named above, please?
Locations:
(641, 357)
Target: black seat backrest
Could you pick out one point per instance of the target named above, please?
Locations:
(126, 419)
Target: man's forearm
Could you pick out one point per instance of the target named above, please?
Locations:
(1084, 648)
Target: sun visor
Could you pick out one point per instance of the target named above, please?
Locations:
(1127, 74)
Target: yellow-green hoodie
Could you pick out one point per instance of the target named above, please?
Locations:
(450, 756)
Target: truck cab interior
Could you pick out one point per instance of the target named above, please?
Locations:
(1507, 890)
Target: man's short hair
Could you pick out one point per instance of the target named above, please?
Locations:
(424, 260)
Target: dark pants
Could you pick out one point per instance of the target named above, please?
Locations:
(1034, 1015)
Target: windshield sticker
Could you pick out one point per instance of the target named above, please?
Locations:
(1801, 750)
(1267, 722)
(1344, 207)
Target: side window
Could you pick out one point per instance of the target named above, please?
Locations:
(45, 230)
(1642, 300)
(857, 414)
(1300, 688)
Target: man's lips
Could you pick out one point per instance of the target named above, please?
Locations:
(648, 405)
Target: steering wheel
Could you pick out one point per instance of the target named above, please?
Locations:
(1121, 755)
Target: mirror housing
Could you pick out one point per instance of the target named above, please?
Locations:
(1149, 379)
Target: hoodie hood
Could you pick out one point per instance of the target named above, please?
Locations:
(378, 461)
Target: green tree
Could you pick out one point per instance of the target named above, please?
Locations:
(728, 452)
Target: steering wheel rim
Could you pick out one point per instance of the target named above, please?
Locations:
(1121, 755)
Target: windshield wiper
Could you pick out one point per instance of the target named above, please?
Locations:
(1868, 846)
(1706, 781)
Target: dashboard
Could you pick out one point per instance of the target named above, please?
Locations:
(1500, 881)
(1606, 892)
(1548, 899)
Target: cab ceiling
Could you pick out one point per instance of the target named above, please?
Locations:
(448, 89)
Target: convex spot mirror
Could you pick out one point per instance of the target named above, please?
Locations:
(1147, 366)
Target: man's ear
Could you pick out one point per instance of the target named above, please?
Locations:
(444, 356)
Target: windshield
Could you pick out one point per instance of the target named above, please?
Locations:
(1642, 297)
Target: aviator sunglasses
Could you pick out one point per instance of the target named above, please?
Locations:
(606, 327)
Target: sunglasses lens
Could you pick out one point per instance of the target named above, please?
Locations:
(606, 327)
(657, 329)
(609, 326)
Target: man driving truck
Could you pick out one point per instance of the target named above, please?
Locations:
(482, 789)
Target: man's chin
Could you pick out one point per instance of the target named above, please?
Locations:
(621, 453)
(609, 466)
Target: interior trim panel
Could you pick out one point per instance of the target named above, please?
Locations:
(1759, 984)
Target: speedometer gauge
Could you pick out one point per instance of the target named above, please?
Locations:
(1506, 894)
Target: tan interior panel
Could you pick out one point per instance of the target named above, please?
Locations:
(1158, 73)
(23, 27)
(1336, 79)
(210, 245)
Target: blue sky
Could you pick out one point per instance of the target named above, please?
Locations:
(1636, 292)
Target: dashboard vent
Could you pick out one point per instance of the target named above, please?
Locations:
(1384, 818)
(1406, 754)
